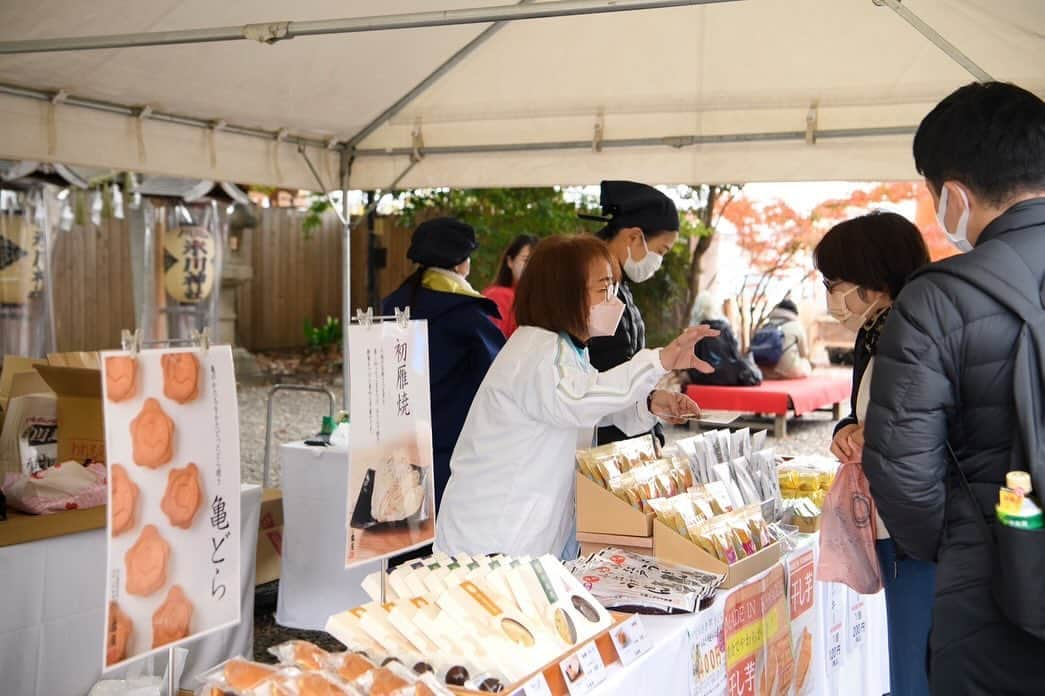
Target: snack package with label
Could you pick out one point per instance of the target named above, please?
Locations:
(301, 654)
(631, 582)
(29, 438)
(65, 486)
(740, 468)
(239, 675)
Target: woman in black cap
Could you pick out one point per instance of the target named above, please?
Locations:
(642, 226)
(462, 341)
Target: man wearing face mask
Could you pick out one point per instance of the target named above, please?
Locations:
(956, 396)
(642, 225)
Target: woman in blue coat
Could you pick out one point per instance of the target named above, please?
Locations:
(462, 341)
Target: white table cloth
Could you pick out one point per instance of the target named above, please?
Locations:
(670, 667)
(52, 613)
(313, 581)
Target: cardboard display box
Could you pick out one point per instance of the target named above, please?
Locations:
(270, 537)
(601, 512)
(670, 546)
(22, 529)
(590, 543)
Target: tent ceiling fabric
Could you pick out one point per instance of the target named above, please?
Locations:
(745, 67)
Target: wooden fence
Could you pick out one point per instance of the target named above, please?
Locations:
(93, 297)
(296, 277)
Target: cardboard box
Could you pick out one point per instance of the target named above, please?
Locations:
(669, 545)
(590, 543)
(601, 512)
(270, 537)
(22, 529)
(81, 428)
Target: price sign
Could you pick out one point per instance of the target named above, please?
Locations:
(857, 632)
(583, 670)
(538, 686)
(631, 640)
(836, 625)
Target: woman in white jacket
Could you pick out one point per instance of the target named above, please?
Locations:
(511, 486)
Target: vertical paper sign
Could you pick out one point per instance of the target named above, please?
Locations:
(391, 491)
(172, 443)
(836, 620)
(758, 637)
(856, 632)
(801, 597)
(708, 649)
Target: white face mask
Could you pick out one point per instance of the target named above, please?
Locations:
(605, 317)
(838, 309)
(641, 271)
(960, 237)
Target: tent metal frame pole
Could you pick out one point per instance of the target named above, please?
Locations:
(161, 116)
(677, 142)
(345, 162)
(923, 28)
(424, 84)
(271, 32)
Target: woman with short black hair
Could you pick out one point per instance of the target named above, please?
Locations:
(865, 262)
(511, 488)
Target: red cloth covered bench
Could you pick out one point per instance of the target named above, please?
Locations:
(777, 397)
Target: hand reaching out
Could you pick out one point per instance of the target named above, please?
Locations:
(678, 355)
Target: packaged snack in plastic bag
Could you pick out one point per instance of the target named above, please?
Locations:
(238, 674)
(302, 654)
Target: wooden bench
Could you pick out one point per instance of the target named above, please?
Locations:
(778, 397)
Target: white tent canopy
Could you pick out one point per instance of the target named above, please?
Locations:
(529, 106)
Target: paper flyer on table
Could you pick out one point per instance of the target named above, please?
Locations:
(758, 637)
(172, 443)
(391, 489)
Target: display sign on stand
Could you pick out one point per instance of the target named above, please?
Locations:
(172, 443)
(802, 597)
(758, 636)
(707, 641)
(391, 490)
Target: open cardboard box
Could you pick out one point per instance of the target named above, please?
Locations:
(553, 674)
(76, 380)
(590, 543)
(601, 512)
(268, 558)
(669, 545)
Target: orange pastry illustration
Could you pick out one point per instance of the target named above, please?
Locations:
(243, 675)
(181, 500)
(124, 500)
(803, 659)
(119, 635)
(121, 377)
(170, 622)
(152, 436)
(181, 377)
(146, 563)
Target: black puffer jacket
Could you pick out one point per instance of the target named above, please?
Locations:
(944, 374)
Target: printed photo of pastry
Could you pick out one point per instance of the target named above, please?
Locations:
(145, 563)
(120, 630)
(182, 498)
(517, 633)
(172, 619)
(623, 639)
(571, 668)
(181, 377)
(124, 500)
(564, 627)
(803, 659)
(585, 608)
(121, 377)
(152, 436)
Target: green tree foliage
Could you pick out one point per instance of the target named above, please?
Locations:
(498, 216)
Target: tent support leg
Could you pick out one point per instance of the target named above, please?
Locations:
(346, 160)
(934, 36)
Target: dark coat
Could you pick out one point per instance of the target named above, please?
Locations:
(944, 374)
(462, 344)
(607, 352)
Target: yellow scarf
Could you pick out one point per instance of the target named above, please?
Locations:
(442, 280)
